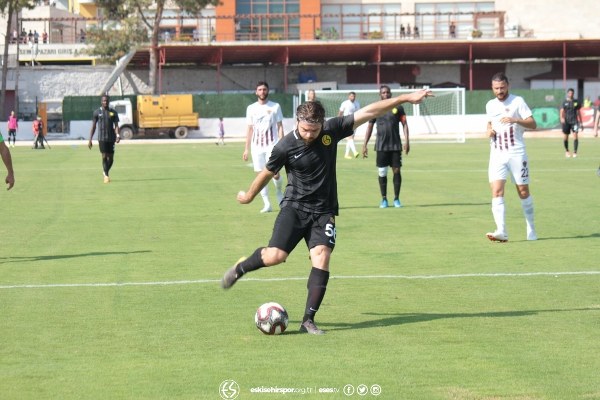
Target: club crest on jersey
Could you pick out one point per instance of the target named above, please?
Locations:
(395, 111)
(326, 140)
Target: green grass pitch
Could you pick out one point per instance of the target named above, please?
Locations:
(112, 291)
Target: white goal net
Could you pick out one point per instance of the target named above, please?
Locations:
(436, 119)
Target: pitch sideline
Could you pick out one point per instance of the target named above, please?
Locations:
(204, 281)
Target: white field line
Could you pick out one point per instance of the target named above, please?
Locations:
(211, 281)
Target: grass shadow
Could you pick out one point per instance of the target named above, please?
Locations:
(590, 236)
(409, 318)
(4, 260)
(374, 206)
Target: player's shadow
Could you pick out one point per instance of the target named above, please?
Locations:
(371, 206)
(590, 236)
(409, 318)
(10, 259)
(452, 204)
(129, 180)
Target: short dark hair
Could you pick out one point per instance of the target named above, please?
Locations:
(571, 90)
(262, 83)
(311, 112)
(500, 77)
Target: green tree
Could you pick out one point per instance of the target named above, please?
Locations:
(138, 23)
(10, 8)
(112, 40)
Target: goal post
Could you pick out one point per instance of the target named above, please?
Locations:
(437, 119)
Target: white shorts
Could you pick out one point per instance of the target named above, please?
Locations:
(501, 165)
(260, 156)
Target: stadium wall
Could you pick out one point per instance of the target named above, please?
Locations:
(235, 128)
(52, 83)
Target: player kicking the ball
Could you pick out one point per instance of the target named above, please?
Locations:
(508, 117)
(310, 202)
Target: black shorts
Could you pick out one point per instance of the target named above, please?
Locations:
(12, 132)
(389, 159)
(293, 225)
(106, 147)
(568, 128)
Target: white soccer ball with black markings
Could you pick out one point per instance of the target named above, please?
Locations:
(271, 319)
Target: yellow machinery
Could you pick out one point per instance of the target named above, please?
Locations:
(171, 114)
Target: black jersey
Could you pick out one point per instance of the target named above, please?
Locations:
(388, 130)
(311, 169)
(571, 108)
(106, 121)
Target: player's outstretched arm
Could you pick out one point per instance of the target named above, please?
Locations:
(528, 123)
(379, 108)
(92, 131)
(261, 180)
(7, 160)
(249, 131)
(368, 133)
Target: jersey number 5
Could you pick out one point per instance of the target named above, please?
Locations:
(330, 231)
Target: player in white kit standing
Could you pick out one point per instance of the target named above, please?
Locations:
(508, 117)
(265, 127)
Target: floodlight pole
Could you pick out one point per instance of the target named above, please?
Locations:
(18, 65)
(470, 67)
(162, 60)
(564, 65)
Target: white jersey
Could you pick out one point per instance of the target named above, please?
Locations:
(509, 137)
(349, 107)
(264, 119)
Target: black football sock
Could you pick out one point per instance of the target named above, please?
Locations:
(109, 163)
(105, 166)
(575, 145)
(566, 143)
(397, 185)
(383, 186)
(317, 285)
(251, 263)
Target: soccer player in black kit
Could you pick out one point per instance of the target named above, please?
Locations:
(107, 119)
(310, 202)
(388, 146)
(570, 118)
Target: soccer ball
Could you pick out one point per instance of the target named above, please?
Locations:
(271, 319)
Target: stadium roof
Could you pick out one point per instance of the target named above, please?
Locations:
(324, 52)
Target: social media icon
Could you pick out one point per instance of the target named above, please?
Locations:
(375, 390)
(348, 390)
(362, 389)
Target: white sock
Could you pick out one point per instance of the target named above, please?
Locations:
(279, 187)
(499, 211)
(527, 205)
(347, 147)
(264, 193)
(352, 146)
